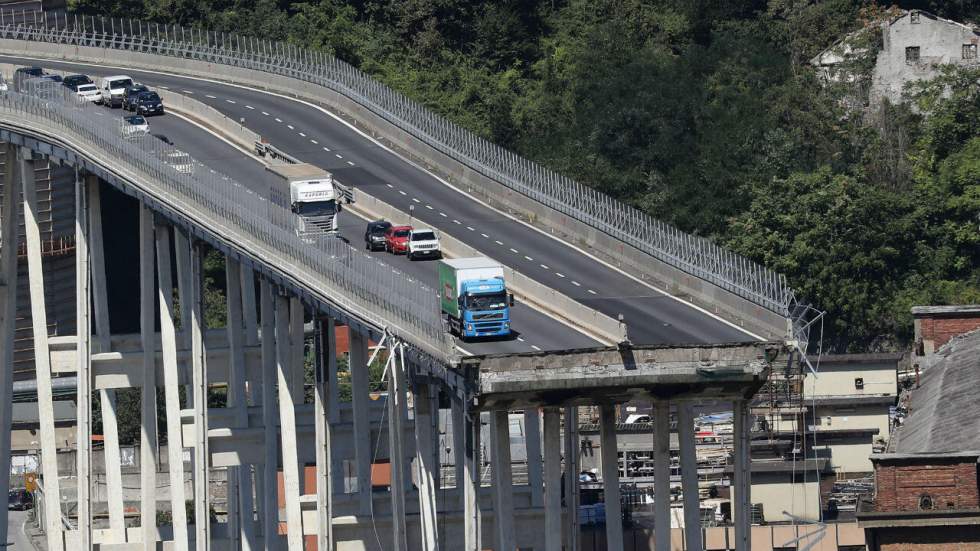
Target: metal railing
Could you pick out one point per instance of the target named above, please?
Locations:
(353, 281)
(691, 254)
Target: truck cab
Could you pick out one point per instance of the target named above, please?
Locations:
(474, 297)
(423, 243)
(312, 195)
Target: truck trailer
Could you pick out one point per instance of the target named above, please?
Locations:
(474, 297)
(313, 196)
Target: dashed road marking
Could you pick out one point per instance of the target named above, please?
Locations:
(231, 101)
(429, 207)
(302, 134)
(575, 283)
(187, 92)
(351, 163)
(528, 258)
(210, 96)
(591, 292)
(513, 250)
(164, 87)
(499, 242)
(534, 346)
(520, 339)
(291, 127)
(265, 113)
(456, 221)
(416, 200)
(249, 107)
(326, 149)
(314, 142)
(278, 119)
(559, 275)
(485, 236)
(402, 192)
(544, 266)
(442, 214)
(339, 156)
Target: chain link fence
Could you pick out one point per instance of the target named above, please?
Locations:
(352, 280)
(692, 254)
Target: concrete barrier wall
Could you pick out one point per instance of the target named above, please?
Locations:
(726, 304)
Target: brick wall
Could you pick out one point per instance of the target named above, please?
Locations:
(951, 485)
(940, 330)
(947, 538)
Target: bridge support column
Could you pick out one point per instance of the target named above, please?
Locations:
(287, 424)
(532, 444)
(270, 501)
(503, 484)
(426, 466)
(148, 396)
(689, 477)
(185, 294)
(168, 340)
(661, 475)
(83, 304)
(743, 477)
(571, 478)
(362, 425)
(239, 478)
(202, 498)
(610, 476)
(326, 360)
(42, 356)
(552, 479)
(459, 447)
(250, 485)
(8, 312)
(396, 435)
(472, 475)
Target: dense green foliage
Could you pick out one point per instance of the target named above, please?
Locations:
(702, 113)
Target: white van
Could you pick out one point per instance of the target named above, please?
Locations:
(111, 90)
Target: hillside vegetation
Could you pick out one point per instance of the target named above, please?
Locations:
(702, 113)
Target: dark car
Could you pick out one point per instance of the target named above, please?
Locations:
(25, 73)
(72, 82)
(131, 95)
(148, 103)
(374, 235)
(20, 500)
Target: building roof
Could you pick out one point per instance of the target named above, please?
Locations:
(944, 414)
(851, 400)
(946, 310)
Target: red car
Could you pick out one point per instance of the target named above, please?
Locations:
(396, 239)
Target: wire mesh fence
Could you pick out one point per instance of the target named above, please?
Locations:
(691, 254)
(356, 282)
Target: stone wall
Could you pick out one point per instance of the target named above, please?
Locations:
(950, 483)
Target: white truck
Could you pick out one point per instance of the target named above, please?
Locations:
(312, 195)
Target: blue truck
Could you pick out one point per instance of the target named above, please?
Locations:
(474, 297)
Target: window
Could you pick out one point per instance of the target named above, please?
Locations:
(911, 54)
(914, 17)
(969, 51)
(925, 502)
(859, 383)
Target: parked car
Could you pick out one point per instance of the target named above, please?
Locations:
(130, 95)
(374, 235)
(24, 73)
(135, 126)
(396, 239)
(423, 243)
(148, 103)
(89, 92)
(19, 500)
(72, 82)
(112, 89)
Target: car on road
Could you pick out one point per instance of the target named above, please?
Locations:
(19, 499)
(148, 103)
(112, 90)
(134, 126)
(24, 73)
(396, 239)
(374, 235)
(88, 92)
(423, 243)
(130, 95)
(72, 82)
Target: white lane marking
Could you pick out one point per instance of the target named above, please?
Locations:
(302, 134)
(429, 207)
(513, 251)
(231, 101)
(187, 92)
(442, 214)
(470, 228)
(314, 142)
(544, 266)
(559, 275)
(485, 236)
(520, 339)
(351, 163)
(591, 292)
(326, 149)
(249, 107)
(402, 192)
(265, 113)
(164, 87)
(210, 96)
(534, 346)
(278, 119)
(575, 283)
(416, 200)
(528, 258)
(499, 242)
(291, 127)
(339, 156)
(391, 186)
(456, 221)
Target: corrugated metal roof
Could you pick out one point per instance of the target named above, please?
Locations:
(944, 413)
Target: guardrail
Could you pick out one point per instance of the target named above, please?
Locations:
(328, 268)
(689, 254)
